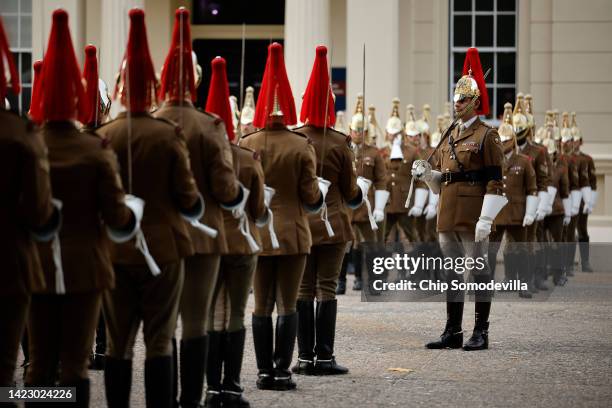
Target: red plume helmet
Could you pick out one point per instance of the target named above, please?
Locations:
(171, 76)
(275, 90)
(64, 95)
(6, 58)
(136, 69)
(36, 95)
(90, 75)
(313, 104)
(218, 95)
(472, 63)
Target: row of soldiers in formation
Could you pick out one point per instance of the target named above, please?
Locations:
(201, 220)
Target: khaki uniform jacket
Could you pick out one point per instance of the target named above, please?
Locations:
(539, 160)
(161, 176)
(368, 163)
(572, 171)
(338, 169)
(398, 182)
(250, 173)
(211, 163)
(25, 203)
(288, 161)
(478, 148)
(591, 170)
(583, 169)
(519, 182)
(85, 177)
(560, 180)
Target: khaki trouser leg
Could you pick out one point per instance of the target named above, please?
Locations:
(277, 280)
(201, 272)
(13, 316)
(321, 272)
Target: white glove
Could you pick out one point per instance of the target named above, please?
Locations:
(422, 171)
(420, 196)
(552, 193)
(380, 201)
(237, 209)
(588, 208)
(586, 195)
(53, 226)
(396, 148)
(193, 218)
(530, 210)
(576, 196)
(541, 211)
(323, 186)
(491, 206)
(432, 206)
(364, 185)
(567, 210)
(268, 195)
(136, 205)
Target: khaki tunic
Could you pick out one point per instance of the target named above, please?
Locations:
(591, 170)
(211, 163)
(250, 173)
(560, 180)
(288, 161)
(25, 204)
(519, 182)
(162, 178)
(582, 162)
(368, 163)
(572, 171)
(478, 148)
(539, 160)
(84, 176)
(338, 169)
(398, 181)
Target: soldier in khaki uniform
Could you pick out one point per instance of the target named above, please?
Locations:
(226, 323)
(84, 176)
(316, 327)
(155, 165)
(539, 158)
(26, 208)
(589, 198)
(519, 184)
(469, 177)
(288, 160)
(422, 207)
(211, 163)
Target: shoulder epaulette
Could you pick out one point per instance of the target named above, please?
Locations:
(309, 140)
(176, 126)
(253, 153)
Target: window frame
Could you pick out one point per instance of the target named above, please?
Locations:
(492, 84)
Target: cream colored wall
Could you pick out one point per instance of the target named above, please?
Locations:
(338, 32)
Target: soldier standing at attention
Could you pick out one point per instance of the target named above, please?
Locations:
(226, 322)
(84, 176)
(520, 190)
(468, 175)
(289, 164)
(155, 165)
(27, 208)
(317, 326)
(211, 163)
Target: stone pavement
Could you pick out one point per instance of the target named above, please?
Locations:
(547, 354)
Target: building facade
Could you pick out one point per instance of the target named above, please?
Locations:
(557, 50)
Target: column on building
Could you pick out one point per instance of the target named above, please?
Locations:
(306, 27)
(377, 26)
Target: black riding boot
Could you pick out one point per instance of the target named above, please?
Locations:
(585, 254)
(117, 382)
(158, 382)
(305, 338)
(233, 354)
(286, 328)
(521, 265)
(540, 271)
(326, 332)
(480, 335)
(214, 366)
(263, 341)
(452, 337)
(193, 367)
(358, 263)
(341, 288)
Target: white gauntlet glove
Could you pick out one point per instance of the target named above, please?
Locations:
(380, 201)
(588, 208)
(567, 211)
(364, 185)
(136, 205)
(420, 197)
(576, 196)
(587, 193)
(530, 210)
(491, 206)
(552, 193)
(541, 212)
(432, 206)
(193, 217)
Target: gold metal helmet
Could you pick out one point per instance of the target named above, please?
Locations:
(437, 134)
(234, 109)
(394, 123)
(359, 106)
(550, 137)
(411, 126)
(506, 130)
(576, 133)
(466, 87)
(357, 118)
(566, 131)
(248, 108)
(423, 122)
(340, 125)
(375, 133)
(529, 111)
(519, 120)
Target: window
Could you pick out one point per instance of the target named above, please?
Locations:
(491, 26)
(238, 12)
(17, 19)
